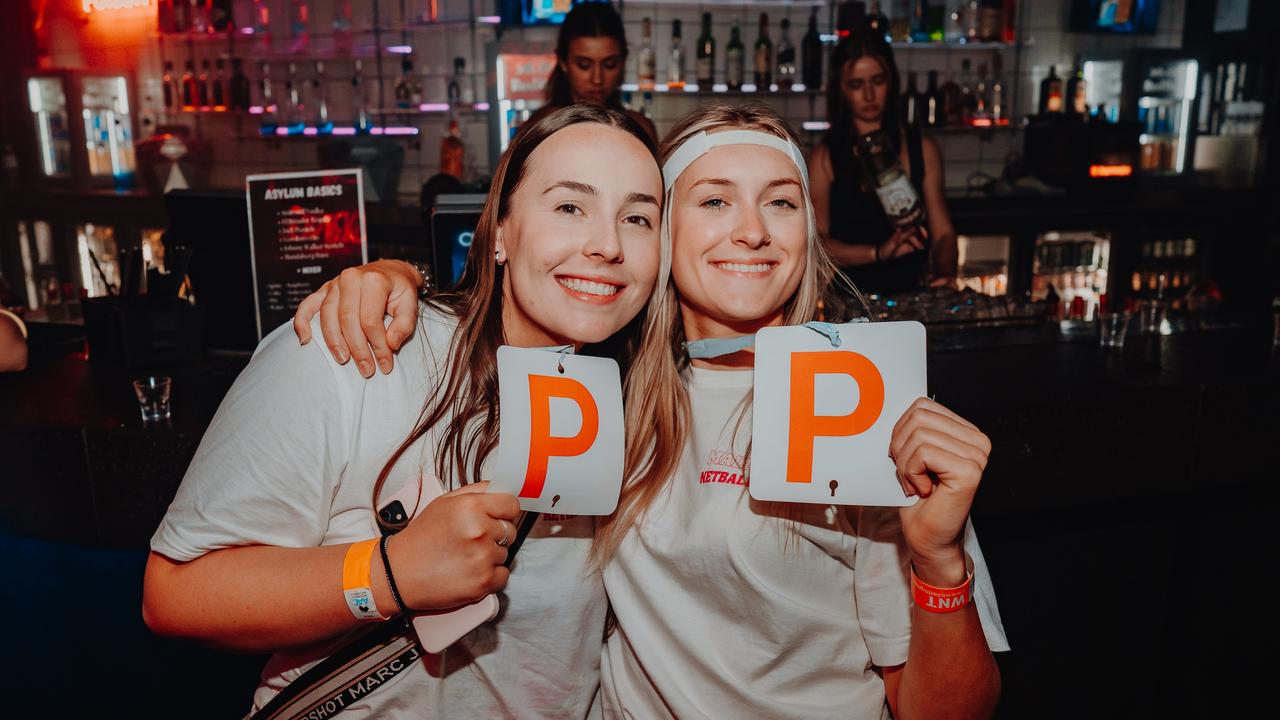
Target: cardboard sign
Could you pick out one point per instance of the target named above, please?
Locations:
(561, 435)
(304, 228)
(824, 414)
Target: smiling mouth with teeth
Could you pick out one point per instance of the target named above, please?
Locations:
(744, 267)
(588, 287)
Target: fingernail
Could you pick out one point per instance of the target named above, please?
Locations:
(305, 340)
(340, 355)
(366, 368)
(385, 366)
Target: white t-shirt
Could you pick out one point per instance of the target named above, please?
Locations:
(731, 608)
(290, 460)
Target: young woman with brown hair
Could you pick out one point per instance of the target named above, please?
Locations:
(252, 553)
(727, 607)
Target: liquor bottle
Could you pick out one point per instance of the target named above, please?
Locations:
(999, 113)
(786, 57)
(706, 55)
(190, 92)
(360, 104)
(240, 99)
(675, 64)
(199, 16)
(403, 83)
(456, 82)
(181, 14)
(972, 18)
(877, 22)
(294, 111)
(920, 21)
(1076, 100)
(733, 58)
(811, 55)
(262, 25)
(202, 86)
(319, 101)
(453, 151)
(968, 101)
(880, 165)
(982, 94)
(268, 119)
(646, 65)
(342, 25)
(951, 102)
(900, 23)
(763, 65)
(1051, 93)
(218, 94)
(933, 102)
(912, 102)
(465, 81)
(299, 26)
(171, 89)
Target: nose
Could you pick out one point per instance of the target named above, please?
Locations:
(868, 93)
(597, 75)
(750, 231)
(604, 244)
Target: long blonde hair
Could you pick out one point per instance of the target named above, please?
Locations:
(663, 345)
(466, 395)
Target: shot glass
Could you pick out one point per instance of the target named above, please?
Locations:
(153, 397)
(1111, 330)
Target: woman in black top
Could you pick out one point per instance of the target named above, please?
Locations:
(862, 96)
(591, 56)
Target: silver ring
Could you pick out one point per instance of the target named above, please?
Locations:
(506, 534)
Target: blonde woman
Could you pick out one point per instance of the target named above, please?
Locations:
(282, 493)
(730, 608)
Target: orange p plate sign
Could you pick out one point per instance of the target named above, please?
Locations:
(826, 400)
(560, 431)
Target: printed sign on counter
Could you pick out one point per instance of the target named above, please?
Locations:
(304, 229)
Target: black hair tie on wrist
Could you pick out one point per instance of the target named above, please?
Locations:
(391, 579)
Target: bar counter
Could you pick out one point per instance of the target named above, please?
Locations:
(1116, 514)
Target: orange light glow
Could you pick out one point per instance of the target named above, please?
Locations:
(1102, 171)
(91, 5)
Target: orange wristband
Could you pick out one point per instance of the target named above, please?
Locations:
(355, 581)
(943, 600)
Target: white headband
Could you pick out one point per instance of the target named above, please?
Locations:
(698, 145)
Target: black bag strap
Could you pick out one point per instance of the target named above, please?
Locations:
(355, 670)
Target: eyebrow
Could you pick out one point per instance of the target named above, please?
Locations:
(575, 186)
(729, 183)
(636, 197)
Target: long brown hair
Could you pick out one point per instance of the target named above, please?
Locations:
(466, 392)
(588, 19)
(664, 334)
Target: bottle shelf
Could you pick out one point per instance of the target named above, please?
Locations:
(710, 4)
(931, 45)
(722, 89)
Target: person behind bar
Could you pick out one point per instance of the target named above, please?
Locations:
(13, 342)
(863, 96)
(279, 501)
(727, 607)
(591, 57)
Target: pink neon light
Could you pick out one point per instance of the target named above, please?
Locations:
(282, 131)
(255, 110)
(482, 106)
(344, 131)
(400, 49)
(398, 130)
(310, 131)
(489, 19)
(434, 107)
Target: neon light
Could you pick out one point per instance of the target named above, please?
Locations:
(397, 130)
(400, 49)
(816, 125)
(1101, 171)
(482, 106)
(100, 5)
(344, 131)
(489, 19)
(434, 107)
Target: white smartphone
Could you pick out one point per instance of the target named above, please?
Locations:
(438, 630)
